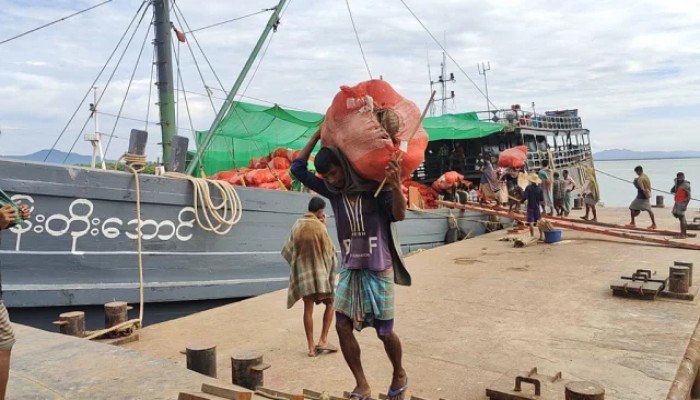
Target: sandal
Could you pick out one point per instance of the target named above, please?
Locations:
(358, 396)
(397, 394)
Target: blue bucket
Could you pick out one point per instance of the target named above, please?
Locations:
(552, 236)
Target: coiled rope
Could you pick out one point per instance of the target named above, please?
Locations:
(225, 215)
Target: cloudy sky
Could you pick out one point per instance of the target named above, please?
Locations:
(630, 66)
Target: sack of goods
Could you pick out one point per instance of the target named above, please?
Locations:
(448, 180)
(370, 123)
(515, 157)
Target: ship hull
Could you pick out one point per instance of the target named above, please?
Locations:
(79, 247)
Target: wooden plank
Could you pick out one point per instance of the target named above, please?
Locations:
(196, 396)
(277, 395)
(574, 226)
(227, 391)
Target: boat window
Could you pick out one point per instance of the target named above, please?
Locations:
(530, 143)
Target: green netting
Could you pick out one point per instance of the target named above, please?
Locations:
(459, 126)
(251, 130)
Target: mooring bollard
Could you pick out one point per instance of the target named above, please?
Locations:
(678, 279)
(71, 323)
(690, 269)
(584, 391)
(578, 203)
(201, 357)
(659, 201)
(116, 312)
(247, 370)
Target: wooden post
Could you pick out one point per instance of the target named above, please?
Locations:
(178, 156)
(584, 391)
(690, 269)
(201, 357)
(116, 312)
(71, 323)
(137, 141)
(247, 370)
(678, 279)
(660, 201)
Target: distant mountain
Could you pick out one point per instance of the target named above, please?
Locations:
(624, 154)
(55, 157)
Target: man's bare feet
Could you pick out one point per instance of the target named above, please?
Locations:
(652, 226)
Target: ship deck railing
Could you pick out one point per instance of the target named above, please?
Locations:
(523, 119)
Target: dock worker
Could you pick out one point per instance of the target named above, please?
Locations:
(534, 197)
(591, 194)
(570, 186)
(312, 261)
(681, 191)
(11, 213)
(641, 202)
(545, 175)
(371, 256)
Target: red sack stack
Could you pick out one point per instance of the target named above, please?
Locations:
(352, 124)
(447, 180)
(514, 157)
(280, 163)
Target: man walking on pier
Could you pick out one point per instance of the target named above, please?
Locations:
(311, 257)
(641, 202)
(371, 256)
(681, 191)
(10, 214)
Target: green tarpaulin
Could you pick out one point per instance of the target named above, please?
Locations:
(251, 130)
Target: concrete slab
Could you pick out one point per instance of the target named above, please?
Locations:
(52, 366)
(478, 309)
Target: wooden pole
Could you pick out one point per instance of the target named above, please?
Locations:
(616, 226)
(247, 370)
(71, 323)
(116, 313)
(573, 226)
(415, 129)
(584, 391)
(201, 357)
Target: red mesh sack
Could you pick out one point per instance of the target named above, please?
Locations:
(237, 179)
(281, 152)
(514, 157)
(283, 175)
(447, 180)
(257, 177)
(280, 163)
(367, 123)
(224, 175)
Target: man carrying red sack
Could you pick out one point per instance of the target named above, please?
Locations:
(371, 256)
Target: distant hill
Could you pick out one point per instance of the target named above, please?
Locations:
(624, 154)
(55, 157)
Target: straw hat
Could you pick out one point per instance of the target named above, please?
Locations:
(534, 178)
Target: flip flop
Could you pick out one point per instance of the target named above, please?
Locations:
(358, 396)
(395, 393)
(328, 347)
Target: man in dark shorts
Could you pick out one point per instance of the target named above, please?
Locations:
(681, 191)
(534, 196)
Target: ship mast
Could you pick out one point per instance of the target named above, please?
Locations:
(166, 94)
(272, 24)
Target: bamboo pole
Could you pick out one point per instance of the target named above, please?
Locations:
(573, 226)
(415, 129)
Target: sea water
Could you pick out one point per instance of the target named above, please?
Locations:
(616, 193)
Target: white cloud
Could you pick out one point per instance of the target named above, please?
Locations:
(628, 66)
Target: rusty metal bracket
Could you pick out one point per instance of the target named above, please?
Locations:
(519, 381)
